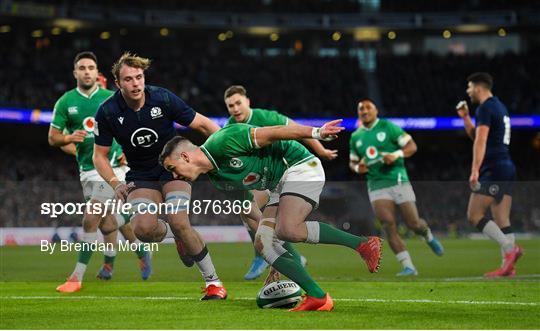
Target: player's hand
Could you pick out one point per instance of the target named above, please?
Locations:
(462, 109)
(473, 180)
(389, 158)
(329, 130)
(329, 154)
(362, 166)
(77, 136)
(121, 190)
(122, 159)
(273, 276)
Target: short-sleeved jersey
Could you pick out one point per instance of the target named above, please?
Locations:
(371, 144)
(494, 114)
(142, 134)
(263, 117)
(76, 111)
(239, 165)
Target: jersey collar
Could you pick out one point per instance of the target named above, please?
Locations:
(374, 125)
(250, 116)
(123, 104)
(88, 96)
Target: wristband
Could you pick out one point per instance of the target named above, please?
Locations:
(316, 133)
(399, 153)
(357, 168)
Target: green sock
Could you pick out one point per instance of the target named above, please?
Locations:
(109, 259)
(290, 248)
(331, 235)
(288, 266)
(84, 255)
(252, 236)
(140, 252)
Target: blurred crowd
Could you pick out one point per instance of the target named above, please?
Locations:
(312, 6)
(297, 81)
(429, 84)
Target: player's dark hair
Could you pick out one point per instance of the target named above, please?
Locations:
(169, 147)
(172, 144)
(85, 55)
(235, 89)
(481, 78)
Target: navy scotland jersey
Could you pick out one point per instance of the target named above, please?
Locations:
(497, 171)
(141, 134)
(494, 114)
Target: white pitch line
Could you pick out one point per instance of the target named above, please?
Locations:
(450, 279)
(173, 298)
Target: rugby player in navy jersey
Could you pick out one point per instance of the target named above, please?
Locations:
(492, 171)
(141, 117)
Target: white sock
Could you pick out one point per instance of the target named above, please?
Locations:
(313, 232)
(80, 269)
(208, 271)
(512, 238)
(492, 230)
(405, 259)
(429, 235)
(110, 253)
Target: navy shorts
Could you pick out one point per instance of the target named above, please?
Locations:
(153, 179)
(496, 179)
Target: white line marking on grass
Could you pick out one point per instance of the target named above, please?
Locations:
(173, 298)
(451, 279)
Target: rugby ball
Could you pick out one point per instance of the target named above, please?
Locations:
(280, 294)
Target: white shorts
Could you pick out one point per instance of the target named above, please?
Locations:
(399, 194)
(94, 187)
(305, 180)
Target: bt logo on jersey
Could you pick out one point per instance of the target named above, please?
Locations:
(144, 137)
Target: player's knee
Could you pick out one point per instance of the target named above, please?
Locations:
(144, 228)
(287, 233)
(107, 228)
(180, 225)
(90, 222)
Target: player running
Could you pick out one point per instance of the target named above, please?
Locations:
(74, 114)
(492, 171)
(241, 157)
(141, 117)
(238, 105)
(378, 148)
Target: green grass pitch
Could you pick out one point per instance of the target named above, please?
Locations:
(448, 294)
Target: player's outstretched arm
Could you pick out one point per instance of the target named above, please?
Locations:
(204, 125)
(105, 170)
(266, 135)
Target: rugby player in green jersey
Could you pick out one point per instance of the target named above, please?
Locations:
(378, 148)
(239, 107)
(240, 158)
(72, 130)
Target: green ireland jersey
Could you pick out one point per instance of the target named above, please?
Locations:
(263, 117)
(371, 144)
(76, 111)
(240, 166)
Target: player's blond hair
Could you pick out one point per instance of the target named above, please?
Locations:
(131, 60)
